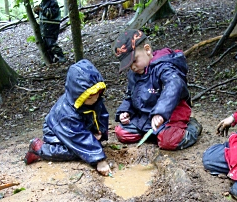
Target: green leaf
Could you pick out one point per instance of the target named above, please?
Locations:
(115, 147)
(33, 98)
(31, 39)
(18, 190)
(121, 166)
(77, 176)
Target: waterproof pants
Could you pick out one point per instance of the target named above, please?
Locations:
(214, 159)
(169, 137)
(62, 148)
(54, 150)
(53, 49)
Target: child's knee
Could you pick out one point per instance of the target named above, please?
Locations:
(126, 137)
(206, 160)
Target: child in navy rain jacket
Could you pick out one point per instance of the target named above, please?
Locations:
(77, 123)
(49, 22)
(222, 158)
(157, 96)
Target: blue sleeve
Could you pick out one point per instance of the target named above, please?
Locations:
(126, 105)
(174, 89)
(78, 139)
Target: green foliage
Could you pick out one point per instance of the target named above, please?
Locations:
(115, 147)
(140, 5)
(31, 39)
(121, 166)
(156, 28)
(82, 18)
(17, 9)
(229, 197)
(18, 190)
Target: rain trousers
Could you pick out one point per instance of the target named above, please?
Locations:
(69, 127)
(162, 90)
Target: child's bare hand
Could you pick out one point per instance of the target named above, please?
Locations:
(124, 118)
(156, 122)
(98, 135)
(224, 125)
(103, 168)
(37, 9)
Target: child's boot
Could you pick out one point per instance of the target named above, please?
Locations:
(33, 154)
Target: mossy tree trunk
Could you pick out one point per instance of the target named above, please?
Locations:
(76, 29)
(8, 77)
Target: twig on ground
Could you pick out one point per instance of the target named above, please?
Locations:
(27, 89)
(210, 88)
(225, 53)
(4, 186)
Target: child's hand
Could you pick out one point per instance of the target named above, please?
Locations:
(37, 9)
(224, 125)
(98, 136)
(124, 118)
(156, 122)
(103, 168)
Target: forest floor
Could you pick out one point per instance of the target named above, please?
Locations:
(139, 174)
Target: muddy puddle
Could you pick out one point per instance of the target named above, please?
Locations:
(132, 181)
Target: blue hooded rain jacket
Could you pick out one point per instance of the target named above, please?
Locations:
(69, 127)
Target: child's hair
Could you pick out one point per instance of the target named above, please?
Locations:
(145, 41)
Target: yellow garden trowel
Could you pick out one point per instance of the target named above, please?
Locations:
(145, 137)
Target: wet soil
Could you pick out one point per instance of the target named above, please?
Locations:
(139, 174)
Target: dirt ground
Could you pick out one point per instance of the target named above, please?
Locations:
(139, 174)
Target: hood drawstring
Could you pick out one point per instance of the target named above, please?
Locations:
(94, 116)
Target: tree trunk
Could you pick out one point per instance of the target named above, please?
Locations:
(165, 11)
(7, 9)
(226, 34)
(8, 77)
(147, 13)
(65, 8)
(36, 29)
(75, 29)
(138, 11)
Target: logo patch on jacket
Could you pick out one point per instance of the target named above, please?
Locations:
(152, 90)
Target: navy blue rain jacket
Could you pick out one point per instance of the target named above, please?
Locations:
(49, 18)
(72, 123)
(158, 91)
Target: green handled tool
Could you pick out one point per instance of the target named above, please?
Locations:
(145, 137)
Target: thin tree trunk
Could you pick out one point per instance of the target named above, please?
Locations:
(7, 9)
(65, 8)
(36, 30)
(225, 35)
(76, 29)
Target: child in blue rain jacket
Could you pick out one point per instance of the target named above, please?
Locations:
(77, 123)
(157, 95)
